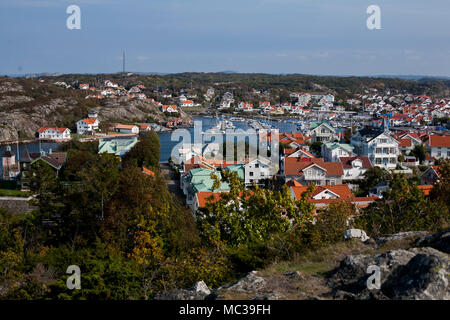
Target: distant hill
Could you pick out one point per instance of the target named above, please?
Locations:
(244, 82)
(412, 77)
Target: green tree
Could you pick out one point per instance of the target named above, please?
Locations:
(441, 188)
(11, 247)
(100, 180)
(246, 222)
(372, 177)
(419, 152)
(145, 153)
(403, 208)
(316, 148)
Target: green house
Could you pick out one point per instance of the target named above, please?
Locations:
(238, 168)
(116, 147)
(199, 180)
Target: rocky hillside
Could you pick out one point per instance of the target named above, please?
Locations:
(412, 266)
(28, 104)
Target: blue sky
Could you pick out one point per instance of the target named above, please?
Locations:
(271, 36)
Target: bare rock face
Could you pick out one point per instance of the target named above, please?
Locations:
(29, 120)
(57, 110)
(439, 241)
(9, 86)
(201, 287)
(356, 234)
(251, 282)
(269, 296)
(401, 236)
(417, 273)
(424, 277)
(179, 294)
(199, 291)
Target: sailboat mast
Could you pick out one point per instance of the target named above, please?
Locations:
(18, 155)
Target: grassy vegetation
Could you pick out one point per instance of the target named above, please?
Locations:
(13, 193)
(317, 262)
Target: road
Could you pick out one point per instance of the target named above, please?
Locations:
(172, 181)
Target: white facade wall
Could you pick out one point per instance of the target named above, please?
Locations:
(255, 171)
(54, 134)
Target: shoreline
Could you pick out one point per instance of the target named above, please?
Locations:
(28, 141)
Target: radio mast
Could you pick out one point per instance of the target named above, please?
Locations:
(123, 62)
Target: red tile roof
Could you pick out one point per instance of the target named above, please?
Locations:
(347, 162)
(404, 142)
(426, 189)
(164, 107)
(294, 166)
(202, 197)
(342, 190)
(439, 141)
(148, 172)
(60, 130)
(293, 183)
(288, 151)
(89, 120)
(288, 137)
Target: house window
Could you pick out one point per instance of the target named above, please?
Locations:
(256, 165)
(251, 173)
(333, 182)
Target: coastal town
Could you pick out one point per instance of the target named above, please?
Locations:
(327, 145)
(204, 158)
(230, 176)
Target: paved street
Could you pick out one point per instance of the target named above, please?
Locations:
(172, 181)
